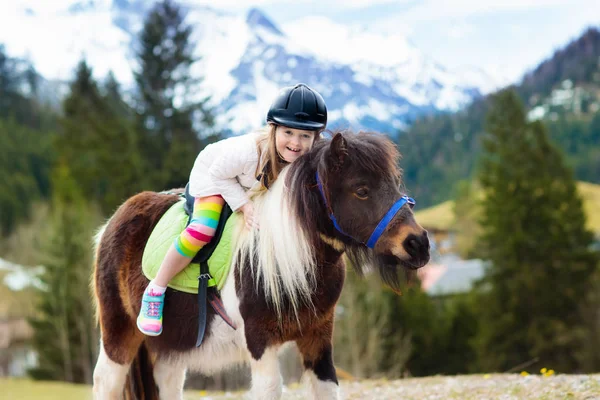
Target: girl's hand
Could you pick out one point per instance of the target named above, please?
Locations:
(248, 211)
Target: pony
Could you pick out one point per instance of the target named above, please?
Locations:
(284, 281)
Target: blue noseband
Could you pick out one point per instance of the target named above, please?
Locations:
(380, 228)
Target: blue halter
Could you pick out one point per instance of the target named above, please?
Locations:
(380, 228)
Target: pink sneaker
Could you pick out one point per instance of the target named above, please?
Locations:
(149, 321)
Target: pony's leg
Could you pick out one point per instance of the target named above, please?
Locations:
(266, 378)
(170, 379)
(316, 351)
(109, 377)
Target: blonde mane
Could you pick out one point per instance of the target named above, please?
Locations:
(279, 254)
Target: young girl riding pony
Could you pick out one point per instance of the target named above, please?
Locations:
(224, 171)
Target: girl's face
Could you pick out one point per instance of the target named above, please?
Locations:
(292, 143)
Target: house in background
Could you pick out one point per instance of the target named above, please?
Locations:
(450, 275)
(16, 306)
(16, 355)
(447, 273)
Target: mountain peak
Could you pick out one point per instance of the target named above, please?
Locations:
(247, 58)
(258, 18)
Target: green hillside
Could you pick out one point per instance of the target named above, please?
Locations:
(563, 91)
(441, 216)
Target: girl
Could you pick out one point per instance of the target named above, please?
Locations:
(224, 171)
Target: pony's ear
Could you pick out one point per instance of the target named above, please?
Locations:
(339, 150)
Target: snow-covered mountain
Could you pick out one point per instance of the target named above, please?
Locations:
(368, 81)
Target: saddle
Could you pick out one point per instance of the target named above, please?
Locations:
(203, 279)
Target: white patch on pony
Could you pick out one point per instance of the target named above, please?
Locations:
(96, 242)
(321, 389)
(170, 380)
(109, 377)
(266, 379)
(335, 243)
(279, 252)
(224, 347)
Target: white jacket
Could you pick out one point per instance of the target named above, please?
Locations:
(228, 168)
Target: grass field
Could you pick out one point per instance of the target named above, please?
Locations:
(22, 389)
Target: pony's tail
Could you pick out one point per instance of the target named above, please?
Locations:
(140, 383)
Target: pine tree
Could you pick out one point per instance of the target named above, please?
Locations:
(99, 142)
(122, 162)
(24, 171)
(170, 117)
(9, 81)
(18, 90)
(78, 142)
(534, 236)
(114, 98)
(64, 332)
(25, 143)
(588, 354)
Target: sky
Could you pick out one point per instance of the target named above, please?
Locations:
(505, 38)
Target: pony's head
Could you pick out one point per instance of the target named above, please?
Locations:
(353, 180)
(356, 203)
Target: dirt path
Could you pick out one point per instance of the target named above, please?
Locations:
(480, 387)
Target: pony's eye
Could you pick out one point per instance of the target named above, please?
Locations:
(362, 193)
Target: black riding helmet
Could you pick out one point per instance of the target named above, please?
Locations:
(299, 107)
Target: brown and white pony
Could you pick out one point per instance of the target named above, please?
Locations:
(284, 283)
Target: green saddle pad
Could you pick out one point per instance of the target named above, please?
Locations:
(172, 223)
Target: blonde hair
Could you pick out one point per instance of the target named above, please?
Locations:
(270, 166)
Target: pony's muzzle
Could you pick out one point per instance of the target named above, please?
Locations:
(417, 247)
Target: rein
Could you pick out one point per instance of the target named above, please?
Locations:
(381, 226)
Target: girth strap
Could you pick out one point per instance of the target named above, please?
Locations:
(202, 311)
(213, 298)
(203, 280)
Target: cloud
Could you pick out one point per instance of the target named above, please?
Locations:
(460, 30)
(46, 6)
(452, 16)
(333, 40)
(421, 10)
(363, 3)
(417, 10)
(332, 4)
(429, 10)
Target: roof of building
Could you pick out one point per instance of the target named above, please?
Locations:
(450, 275)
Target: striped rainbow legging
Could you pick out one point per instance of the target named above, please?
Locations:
(202, 227)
